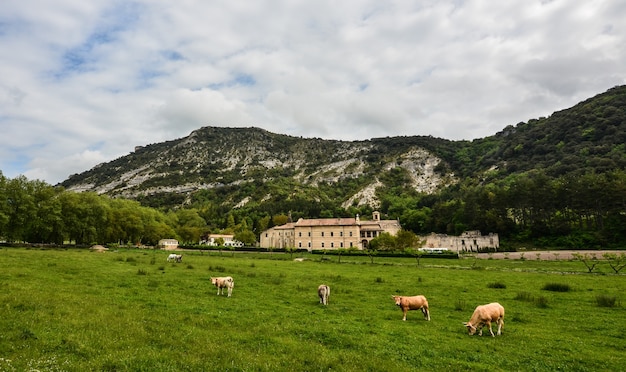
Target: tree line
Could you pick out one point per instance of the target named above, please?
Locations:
(36, 212)
(587, 211)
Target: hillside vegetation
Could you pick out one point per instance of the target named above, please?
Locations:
(557, 181)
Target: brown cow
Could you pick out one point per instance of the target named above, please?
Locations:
(223, 282)
(323, 291)
(407, 303)
(485, 314)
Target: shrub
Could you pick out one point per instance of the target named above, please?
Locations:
(606, 301)
(459, 305)
(497, 285)
(379, 280)
(218, 268)
(542, 302)
(524, 296)
(557, 287)
(142, 272)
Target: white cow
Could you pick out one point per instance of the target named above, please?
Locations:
(223, 282)
(175, 258)
(485, 314)
(323, 291)
(407, 303)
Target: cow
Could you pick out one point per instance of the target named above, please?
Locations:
(223, 282)
(407, 303)
(485, 314)
(175, 258)
(323, 292)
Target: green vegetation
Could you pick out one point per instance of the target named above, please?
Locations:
(557, 182)
(125, 310)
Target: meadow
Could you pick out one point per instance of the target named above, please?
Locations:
(130, 310)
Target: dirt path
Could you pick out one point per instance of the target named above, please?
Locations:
(542, 255)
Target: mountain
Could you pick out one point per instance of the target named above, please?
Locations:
(237, 167)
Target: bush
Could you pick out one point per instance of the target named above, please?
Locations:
(606, 301)
(459, 305)
(542, 302)
(219, 269)
(557, 287)
(497, 285)
(525, 296)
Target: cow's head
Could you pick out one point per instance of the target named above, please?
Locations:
(470, 328)
(397, 299)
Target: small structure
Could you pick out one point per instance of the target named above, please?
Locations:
(229, 240)
(168, 244)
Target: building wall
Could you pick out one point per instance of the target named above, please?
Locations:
(469, 241)
(327, 237)
(327, 233)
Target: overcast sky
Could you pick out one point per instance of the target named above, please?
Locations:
(84, 82)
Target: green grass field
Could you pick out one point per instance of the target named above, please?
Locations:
(130, 310)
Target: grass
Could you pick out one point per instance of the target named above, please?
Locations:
(74, 310)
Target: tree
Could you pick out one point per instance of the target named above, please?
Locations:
(406, 239)
(590, 261)
(20, 208)
(383, 242)
(616, 261)
(247, 237)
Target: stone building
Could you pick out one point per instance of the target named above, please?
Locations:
(469, 241)
(168, 244)
(328, 233)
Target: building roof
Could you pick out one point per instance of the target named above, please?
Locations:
(326, 222)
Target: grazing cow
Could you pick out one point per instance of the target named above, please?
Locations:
(485, 314)
(223, 282)
(175, 258)
(323, 291)
(407, 303)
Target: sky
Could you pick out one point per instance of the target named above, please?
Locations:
(84, 82)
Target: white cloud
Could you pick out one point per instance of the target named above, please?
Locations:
(85, 82)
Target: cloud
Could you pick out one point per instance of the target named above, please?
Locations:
(85, 82)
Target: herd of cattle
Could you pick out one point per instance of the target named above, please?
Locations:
(483, 314)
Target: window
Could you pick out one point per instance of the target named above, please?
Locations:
(332, 233)
(341, 233)
(332, 245)
(300, 234)
(299, 244)
(309, 234)
(322, 233)
(341, 245)
(322, 245)
(350, 233)
(309, 244)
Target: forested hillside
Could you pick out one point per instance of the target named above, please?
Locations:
(557, 181)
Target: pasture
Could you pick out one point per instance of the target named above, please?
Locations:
(131, 310)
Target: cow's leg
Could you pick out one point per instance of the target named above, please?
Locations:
(404, 311)
(426, 313)
(490, 330)
(500, 325)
